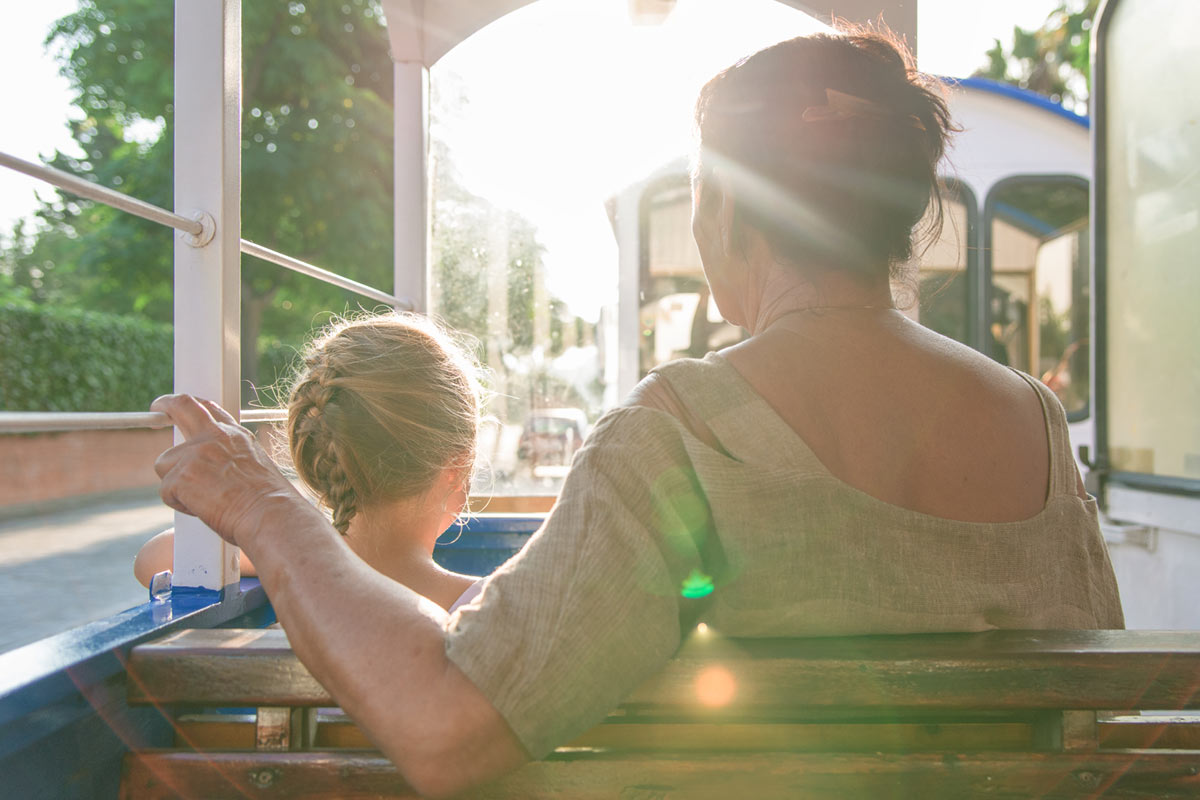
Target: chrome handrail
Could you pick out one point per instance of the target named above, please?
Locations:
(304, 268)
(93, 191)
(60, 421)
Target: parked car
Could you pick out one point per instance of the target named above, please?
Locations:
(551, 436)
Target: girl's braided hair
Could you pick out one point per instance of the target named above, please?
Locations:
(382, 404)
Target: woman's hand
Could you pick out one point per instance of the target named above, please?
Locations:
(220, 473)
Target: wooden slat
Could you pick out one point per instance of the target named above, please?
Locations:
(1113, 670)
(587, 776)
(1178, 732)
(732, 737)
(1107, 670)
(511, 504)
(223, 666)
(236, 732)
(217, 732)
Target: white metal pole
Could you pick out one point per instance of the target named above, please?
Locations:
(208, 67)
(304, 268)
(629, 303)
(411, 185)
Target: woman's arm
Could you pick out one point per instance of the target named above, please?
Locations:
(158, 554)
(378, 647)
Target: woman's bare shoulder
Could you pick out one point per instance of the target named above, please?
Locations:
(909, 417)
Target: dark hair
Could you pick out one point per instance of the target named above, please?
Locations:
(837, 190)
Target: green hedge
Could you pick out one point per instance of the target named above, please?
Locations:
(63, 359)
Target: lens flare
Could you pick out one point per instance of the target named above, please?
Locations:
(696, 585)
(715, 687)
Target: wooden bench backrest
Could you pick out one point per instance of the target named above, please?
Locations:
(1107, 670)
(1006, 713)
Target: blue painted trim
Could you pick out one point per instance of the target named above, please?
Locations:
(499, 523)
(484, 542)
(469, 540)
(62, 699)
(1021, 95)
(36, 675)
(1023, 219)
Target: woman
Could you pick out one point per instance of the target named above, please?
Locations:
(383, 420)
(843, 470)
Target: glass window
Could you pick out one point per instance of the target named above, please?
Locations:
(540, 122)
(1039, 305)
(1152, 236)
(677, 315)
(942, 279)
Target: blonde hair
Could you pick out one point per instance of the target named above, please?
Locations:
(382, 405)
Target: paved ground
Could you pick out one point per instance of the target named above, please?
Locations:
(67, 568)
(63, 569)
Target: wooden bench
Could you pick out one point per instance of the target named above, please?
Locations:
(998, 714)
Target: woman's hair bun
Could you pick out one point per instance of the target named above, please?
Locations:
(842, 189)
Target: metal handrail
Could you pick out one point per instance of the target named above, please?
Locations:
(93, 191)
(60, 421)
(304, 268)
(195, 227)
(54, 421)
(50, 422)
(249, 415)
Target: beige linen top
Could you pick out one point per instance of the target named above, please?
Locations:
(593, 604)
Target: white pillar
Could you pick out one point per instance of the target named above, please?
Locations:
(629, 299)
(208, 65)
(411, 184)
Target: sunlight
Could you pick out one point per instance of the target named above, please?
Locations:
(552, 126)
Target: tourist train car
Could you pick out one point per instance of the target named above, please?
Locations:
(1092, 288)
(1008, 275)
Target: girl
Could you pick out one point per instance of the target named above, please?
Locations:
(382, 424)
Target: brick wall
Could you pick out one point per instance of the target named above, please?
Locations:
(46, 467)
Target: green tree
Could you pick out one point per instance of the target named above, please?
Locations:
(316, 181)
(470, 235)
(1052, 59)
(316, 162)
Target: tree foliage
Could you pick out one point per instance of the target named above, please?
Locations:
(103, 362)
(1052, 59)
(316, 177)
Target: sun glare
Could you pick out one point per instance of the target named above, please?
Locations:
(566, 102)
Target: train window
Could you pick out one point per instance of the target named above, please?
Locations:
(543, 124)
(1150, 217)
(1039, 298)
(942, 277)
(676, 315)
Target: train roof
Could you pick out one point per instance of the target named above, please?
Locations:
(1021, 95)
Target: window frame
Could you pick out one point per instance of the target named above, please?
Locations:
(985, 308)
(954, 189)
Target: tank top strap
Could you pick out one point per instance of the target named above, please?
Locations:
(1062, 462)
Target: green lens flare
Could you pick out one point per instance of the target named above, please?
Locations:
(697, 584)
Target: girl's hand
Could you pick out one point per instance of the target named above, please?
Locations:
(158, 554)
(155, 556)
(220, 473)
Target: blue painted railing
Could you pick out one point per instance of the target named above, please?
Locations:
(64, 722)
